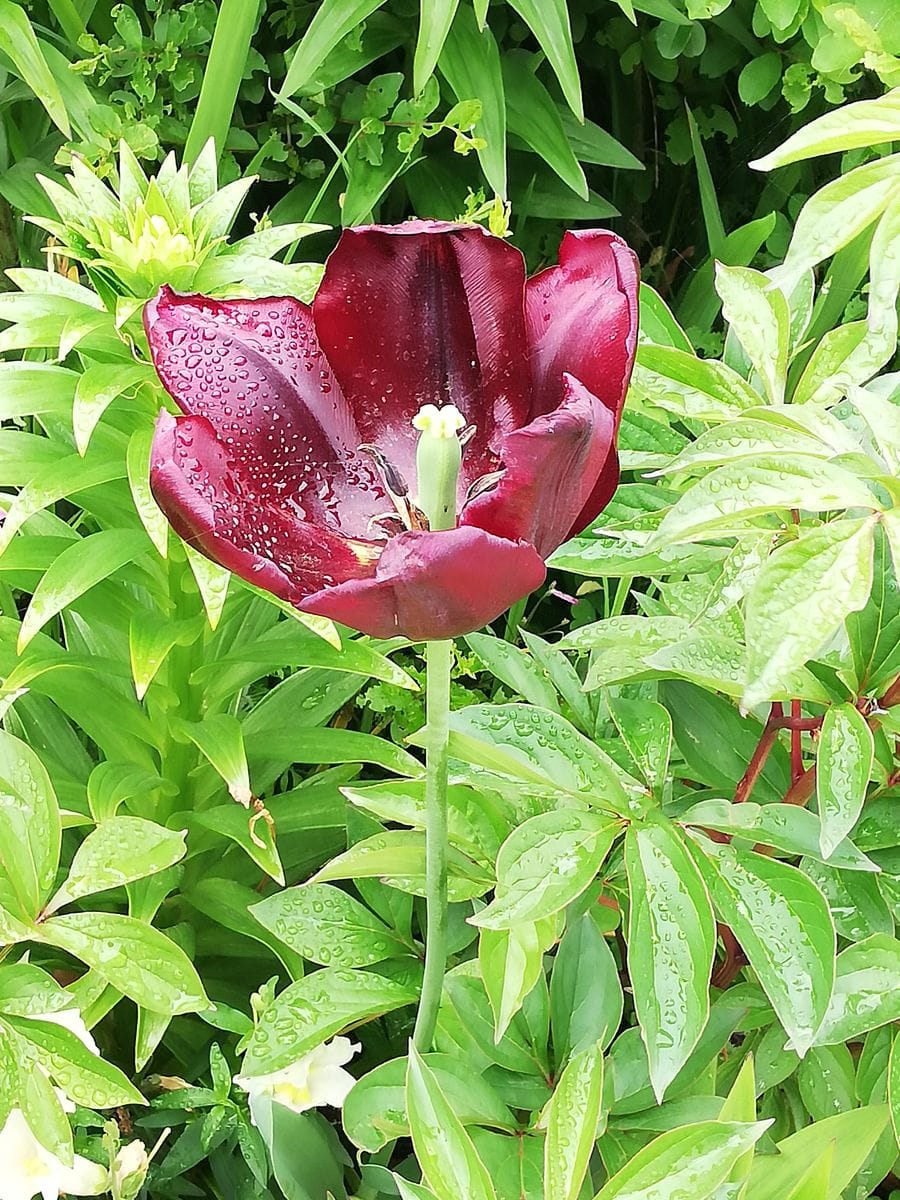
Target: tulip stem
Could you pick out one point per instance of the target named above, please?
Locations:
(438, 660)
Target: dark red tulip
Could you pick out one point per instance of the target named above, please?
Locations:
(294, 460)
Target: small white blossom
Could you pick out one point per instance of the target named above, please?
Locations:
(28, 1169)
(315, 1079)
(129, 1170)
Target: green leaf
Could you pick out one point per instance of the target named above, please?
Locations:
(42, 1108)
(545, 864)
(586, 999)
(572, 1121)
(646, 729)
(851, 1135)
(837, 213)
(30, 829)
(717, 743)
(758, 314)
(212, 582)
(97, 388)
(709, 201)
(532, 115)
(328, 926)
(119, 850)
(397, 857)
(802, 595)
(671, 943)
(730, 495)
(688, 386)
(537, 746)
(435, 19)
(375, 1110)
(470, 62)
(64, 477)
(864, 124)
(843, 765)
(783, 924)
(77, 569)
(787, 827)
(84, 1076)
(740, 1105)
(445, 1152)
(314, 1009)
(758, 77)
(333, 20)
(222, 74)
(137, 463)
(136, 959)
(866, 995)
(511, 962)
(219, 738)
(690, 1162)
(249, 828)
(549, 22)
(19, 43)
(894, 1086)
(515, 668)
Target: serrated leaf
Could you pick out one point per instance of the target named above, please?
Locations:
(843, 766)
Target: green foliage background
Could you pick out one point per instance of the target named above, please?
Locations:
(211, 812)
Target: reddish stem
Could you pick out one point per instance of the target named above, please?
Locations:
(796, 743)
(760, 754)
(732, 962)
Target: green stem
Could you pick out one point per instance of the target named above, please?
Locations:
(438, 659)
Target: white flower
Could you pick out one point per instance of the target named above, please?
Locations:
(129, 1170)
(71, 1019)
(28, 1169)
(315, 1079)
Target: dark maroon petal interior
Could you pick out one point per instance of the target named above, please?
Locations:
(582, 318)
(211, 504)
(426, 314)
(550, 469)
(254, 370)
(435, 585)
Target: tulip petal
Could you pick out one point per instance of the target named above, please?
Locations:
(551, 467)
(435, 585)
(210, 503)
(254, 370)
(582, 318)
(427, 313)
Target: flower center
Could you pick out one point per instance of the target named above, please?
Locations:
(442, 436)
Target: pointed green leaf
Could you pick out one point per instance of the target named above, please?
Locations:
(545, 864)
(549, 22)
(684, 1164)
(572, 1121)
(801, 597)
(784, 926)
(445, 1152)
(30, 830)
(758, 314)
(671, 942)
(843, 766)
